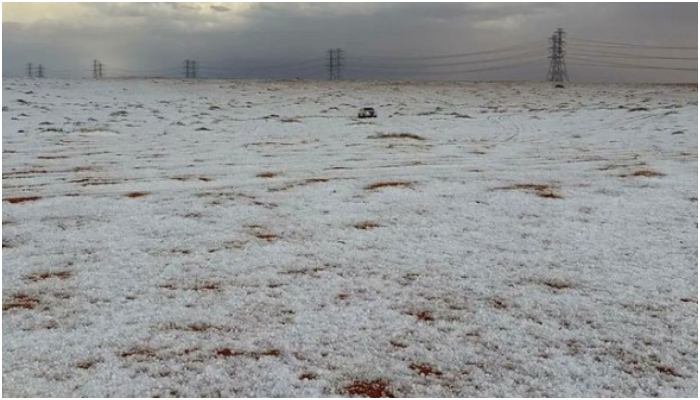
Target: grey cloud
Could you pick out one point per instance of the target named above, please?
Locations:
(143, 36)
(185, 6)
(220, 8)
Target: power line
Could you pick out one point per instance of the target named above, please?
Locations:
(604, 43)
(309, 67)
(446, 56)
(634, 67)
(118, 69)
(265, 64)
(476, 70)
(259, 63)
(317, 71)
(452, 64)
(600, 54)
(597, 63)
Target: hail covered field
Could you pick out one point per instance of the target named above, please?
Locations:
(224, 238)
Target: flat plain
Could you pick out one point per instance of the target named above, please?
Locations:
(254, 238)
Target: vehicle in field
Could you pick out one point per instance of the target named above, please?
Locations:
(367, 112)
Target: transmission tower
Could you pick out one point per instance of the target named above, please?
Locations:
(190, 68)
(339, 58)
(96, 69)
(335, 64)
(331, 64)
(29, 70)
(40, 71)
(557, 66)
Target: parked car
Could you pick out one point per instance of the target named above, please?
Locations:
(367, 112)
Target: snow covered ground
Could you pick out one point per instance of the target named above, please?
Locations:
(219, 238)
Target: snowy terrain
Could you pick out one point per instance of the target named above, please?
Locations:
(219, 238)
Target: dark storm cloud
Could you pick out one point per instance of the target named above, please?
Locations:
(253, 38)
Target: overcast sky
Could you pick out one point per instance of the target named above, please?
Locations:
(287, 40)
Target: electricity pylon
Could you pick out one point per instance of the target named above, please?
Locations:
(557, 65)
(335, 64)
